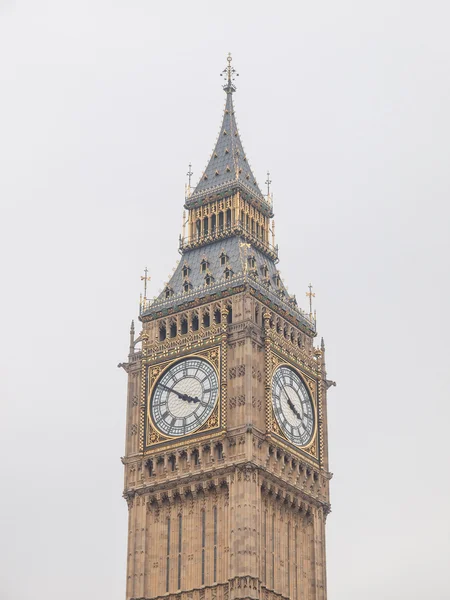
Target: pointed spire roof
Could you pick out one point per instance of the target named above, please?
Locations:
(228, 167)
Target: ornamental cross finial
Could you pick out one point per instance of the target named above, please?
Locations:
(145, 278)
(229, 73)
(189, 174)
(310, 295)
(268, 182)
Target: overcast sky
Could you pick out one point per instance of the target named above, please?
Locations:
(103, 104)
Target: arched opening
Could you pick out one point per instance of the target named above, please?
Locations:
(221, 221)
(172, 462)
(184, 326)
(229, 218)
(173, 330)
(230, 315)
(195, 457)
(217, 316)
(198, 226)
(162, 332)
(213, 224)
(149, 466)
(206, 319)
(242, 218)
(257, 314)
(219, 450)
(253, 226)
(195, 323)
(205, 226)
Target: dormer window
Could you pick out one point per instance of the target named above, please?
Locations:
(228, 273)
(186, 286)
(185, 271)
(208, 279)
(168, 292)
(251, 262)
(265, 271)
(204, 266)
(277, 280)
(223, 259)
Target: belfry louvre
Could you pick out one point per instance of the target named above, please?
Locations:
(226, 461)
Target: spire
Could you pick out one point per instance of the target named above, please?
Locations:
(228, 167)
(132, 338)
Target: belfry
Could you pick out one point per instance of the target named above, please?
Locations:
(226, 461)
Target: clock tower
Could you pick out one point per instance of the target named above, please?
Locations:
(226, 461)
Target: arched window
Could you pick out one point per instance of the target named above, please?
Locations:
(195, 457)
(228, 218)
(217, 316)
(162, 332)
(206, 319)
(198, 226)
(221, 221)
(184, 326)
(230, 315)
(219, 448)
(173, 329)
(213, 224)
(195, 323)
(205, 226)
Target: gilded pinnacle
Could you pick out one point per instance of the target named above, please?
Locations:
(229, 73)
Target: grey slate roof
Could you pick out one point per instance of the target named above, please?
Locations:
(228, 164)
(236, 257)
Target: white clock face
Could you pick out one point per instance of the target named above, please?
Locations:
(184, 397)
(292, 406)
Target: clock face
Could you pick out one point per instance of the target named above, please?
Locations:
(184, 397)
(293, 406)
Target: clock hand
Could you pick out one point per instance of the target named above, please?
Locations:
(292, 407)
(179, 394)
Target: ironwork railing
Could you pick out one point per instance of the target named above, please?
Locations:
(156, 304)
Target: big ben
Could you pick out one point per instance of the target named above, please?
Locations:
(226, 461)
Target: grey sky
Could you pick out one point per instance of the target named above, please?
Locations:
(102, 106)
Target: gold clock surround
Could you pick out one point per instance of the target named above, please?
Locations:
(216, 422)
(312, 448)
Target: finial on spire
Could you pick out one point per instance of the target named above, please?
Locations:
(187, 186)
(230, 74)
(145, 278)
(268, 182)
(189, 174)
(310, 295)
